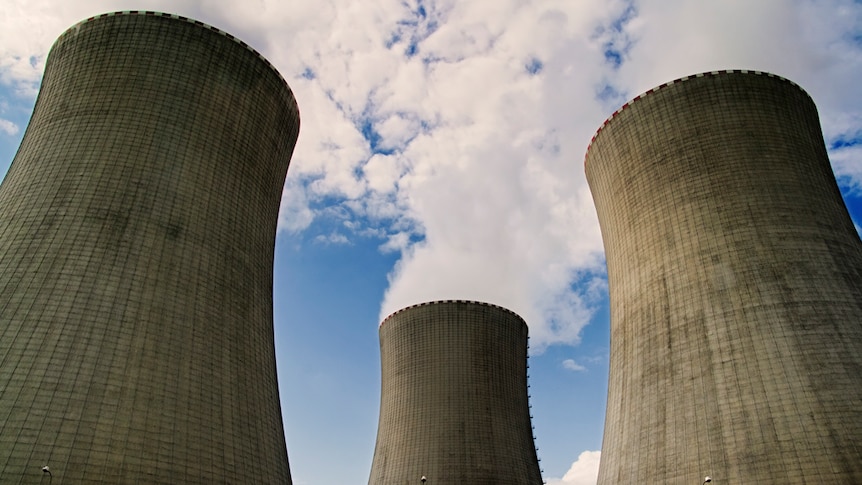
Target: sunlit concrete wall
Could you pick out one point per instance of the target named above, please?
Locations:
(454, 405)
(736, 288)
(137, 225)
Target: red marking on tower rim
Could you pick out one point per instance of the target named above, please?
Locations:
(677, 81)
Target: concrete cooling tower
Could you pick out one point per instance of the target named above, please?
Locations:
(454, 406)
(137, 227)
(735, 280)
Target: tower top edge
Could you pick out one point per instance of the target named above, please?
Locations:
(677, 81)
(449, 302)
(188, 20)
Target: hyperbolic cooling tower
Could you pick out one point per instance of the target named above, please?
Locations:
(454, 406)
(736, 288)
(137, 224)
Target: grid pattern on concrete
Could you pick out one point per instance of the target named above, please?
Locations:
(735, 280)
(681, 80)
(73, 29)
(454, 405)
(137, 225)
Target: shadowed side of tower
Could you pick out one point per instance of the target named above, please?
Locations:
(735, 280)
(454, 405)
(137, 227)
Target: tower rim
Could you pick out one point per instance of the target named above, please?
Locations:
(181, 18)
(441, 302)
(661, 87)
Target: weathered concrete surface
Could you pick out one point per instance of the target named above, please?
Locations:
(453, 404)
(137, 224)
(736, 289)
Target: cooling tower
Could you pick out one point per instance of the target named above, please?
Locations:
(454, 406)
(735, 280)
(137, 225)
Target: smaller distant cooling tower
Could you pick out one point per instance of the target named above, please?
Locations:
(453, 402)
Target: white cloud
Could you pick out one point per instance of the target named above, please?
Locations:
(332, 238)
(584, 471)
(570, 364)
(847, 163)
(383, 172)
(396, 242)
(294, 213)
(845, 142)
(8, 127)
(396, 130)
(497, 187)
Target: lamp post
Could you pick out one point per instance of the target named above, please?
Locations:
(47, 470)
(706, 479)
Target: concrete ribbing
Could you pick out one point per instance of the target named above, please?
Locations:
(137, 227)
(454, 404)
(735, 280)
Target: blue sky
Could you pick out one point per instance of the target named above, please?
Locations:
(441, 156)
